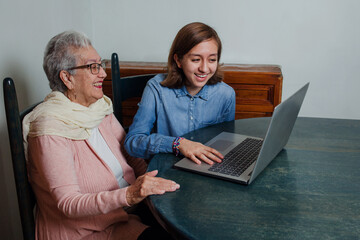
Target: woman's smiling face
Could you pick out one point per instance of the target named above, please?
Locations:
(87, 87)
(199, 65)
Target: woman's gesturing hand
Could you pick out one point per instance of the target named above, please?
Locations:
(148, 184)
(198, 152)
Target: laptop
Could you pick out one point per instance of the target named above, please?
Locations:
(245, 157)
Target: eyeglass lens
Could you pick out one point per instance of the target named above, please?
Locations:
(95, 67)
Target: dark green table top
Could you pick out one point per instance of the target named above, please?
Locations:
(311, 190)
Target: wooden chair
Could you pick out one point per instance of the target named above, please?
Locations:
(125, 88)
(25, 195)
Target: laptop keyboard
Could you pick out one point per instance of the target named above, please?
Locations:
(239, 159)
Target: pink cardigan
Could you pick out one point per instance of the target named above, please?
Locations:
(77, 194)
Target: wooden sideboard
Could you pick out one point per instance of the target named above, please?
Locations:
(258, 87)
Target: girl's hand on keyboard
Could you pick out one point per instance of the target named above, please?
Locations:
(198, 152)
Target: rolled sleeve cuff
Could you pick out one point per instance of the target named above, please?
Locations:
(166, 144)
(123, 200)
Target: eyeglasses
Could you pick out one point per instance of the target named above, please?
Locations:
(94, 67)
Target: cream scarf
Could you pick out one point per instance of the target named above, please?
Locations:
(57, 115)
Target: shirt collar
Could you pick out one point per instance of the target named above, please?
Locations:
(181, 92)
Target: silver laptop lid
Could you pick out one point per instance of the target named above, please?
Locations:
(279, 130)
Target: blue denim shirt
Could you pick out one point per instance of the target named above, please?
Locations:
(166, 113)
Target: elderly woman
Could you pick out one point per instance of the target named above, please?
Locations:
(81, 175)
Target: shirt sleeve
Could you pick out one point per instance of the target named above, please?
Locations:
(53, 169)
(230, 107)
(140, 142)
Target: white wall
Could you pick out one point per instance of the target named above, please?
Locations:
(25, 29)
(316, 41)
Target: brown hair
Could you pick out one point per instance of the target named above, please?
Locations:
(187, 38)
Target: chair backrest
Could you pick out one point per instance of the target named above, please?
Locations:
(125, 88)
(25, 195)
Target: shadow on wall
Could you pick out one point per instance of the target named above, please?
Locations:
(22, 79)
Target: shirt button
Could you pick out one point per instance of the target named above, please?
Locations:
(192, 99)
(191, 118)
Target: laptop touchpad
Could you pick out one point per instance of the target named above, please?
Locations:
(221, 145)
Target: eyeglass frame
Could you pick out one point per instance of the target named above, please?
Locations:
(98, 65)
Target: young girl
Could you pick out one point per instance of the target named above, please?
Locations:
(190, 96)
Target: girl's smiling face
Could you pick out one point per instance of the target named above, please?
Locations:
(199, 65)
